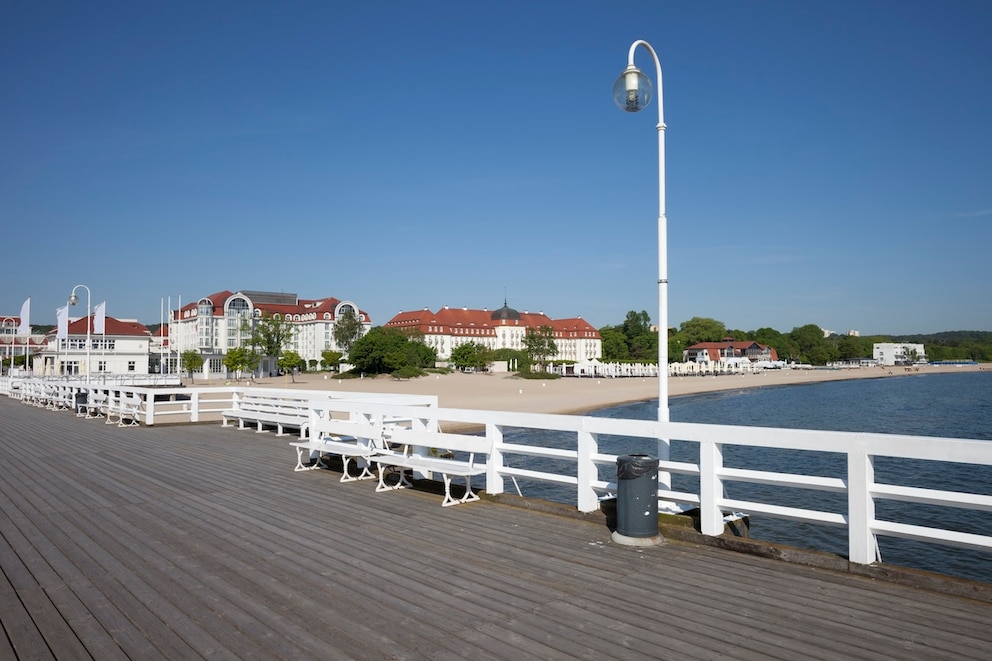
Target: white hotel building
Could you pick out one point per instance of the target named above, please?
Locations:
(213, 324)
(898, 353)
(505, 328)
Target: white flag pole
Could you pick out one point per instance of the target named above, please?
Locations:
(25, 329)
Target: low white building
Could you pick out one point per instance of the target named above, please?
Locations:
(214, 324)
(122, 349)
(898, 353)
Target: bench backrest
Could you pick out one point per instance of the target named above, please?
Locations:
(336, 427)
(263, 403)
(442, 441)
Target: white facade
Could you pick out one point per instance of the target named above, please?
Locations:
(893, 353)
(123, 350)
(217, 323)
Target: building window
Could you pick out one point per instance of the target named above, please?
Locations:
(101, 366)
(130, 366)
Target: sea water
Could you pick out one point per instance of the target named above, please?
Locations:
(942, 405)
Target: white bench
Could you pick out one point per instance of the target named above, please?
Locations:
(264, 410)
(429, 442)
(60, 398)
(96, 404)
(348, 439)
(126, 407)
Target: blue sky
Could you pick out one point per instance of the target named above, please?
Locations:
(827, 163)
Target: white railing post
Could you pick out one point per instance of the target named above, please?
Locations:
(494, 464)
(586, 472)
(194, 406)
(150, 408)
(430, 424)
(710, 488)
(862, 545)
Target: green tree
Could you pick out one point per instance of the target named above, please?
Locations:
(850, 347)
(271, 335)
(636, 324)
(384, 350)
(290, 361)
(347, 330)
(516, 359)
(812, 347)
(675, 348)
(631, 340)
(330, 358)
(471, 355)
(417, 354)
(614, 343)
(191, 361)
(701, 329)
(240, 359)
(539, 343)
(784, 346)
(644, 347)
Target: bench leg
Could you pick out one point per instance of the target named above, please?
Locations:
(401, 484)
(318, 463)
(366, 474)
(470, 496)
(299, 462)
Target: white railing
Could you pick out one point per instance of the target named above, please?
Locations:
(589, 473)
(589, 465)
(170, 405)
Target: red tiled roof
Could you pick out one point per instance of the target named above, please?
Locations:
(739, 347)
(112, 326)
(303, 306)
(448, 320)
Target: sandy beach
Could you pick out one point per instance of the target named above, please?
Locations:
(502, 392)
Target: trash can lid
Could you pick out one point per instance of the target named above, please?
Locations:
(635, 465)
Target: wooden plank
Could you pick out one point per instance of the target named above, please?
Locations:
(193, 541)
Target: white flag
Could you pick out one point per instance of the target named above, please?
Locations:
(25, 327)
(100, 318)
(62, 317)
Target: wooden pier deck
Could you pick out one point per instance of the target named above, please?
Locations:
(188, 542)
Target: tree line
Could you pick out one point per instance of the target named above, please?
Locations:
(405, 354)
(635, 340)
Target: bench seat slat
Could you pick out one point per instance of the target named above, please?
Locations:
(432, 464)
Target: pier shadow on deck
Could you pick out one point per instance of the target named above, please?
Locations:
(196, 541)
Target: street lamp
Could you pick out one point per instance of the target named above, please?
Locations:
(73, 300)
(633, 92)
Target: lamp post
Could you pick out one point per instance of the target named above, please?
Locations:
(73, 300)
(632, 92)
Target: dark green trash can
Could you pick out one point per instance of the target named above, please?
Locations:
(637, 495)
